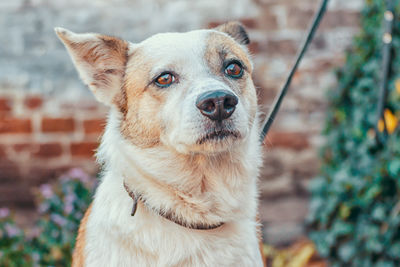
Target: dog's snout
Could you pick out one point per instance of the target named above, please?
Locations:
(217, 105)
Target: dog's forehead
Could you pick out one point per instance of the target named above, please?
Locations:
(188, 46)
(165, 42)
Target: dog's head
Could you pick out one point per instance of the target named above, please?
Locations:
(190, 91)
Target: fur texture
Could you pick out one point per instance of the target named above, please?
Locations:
(151, 143)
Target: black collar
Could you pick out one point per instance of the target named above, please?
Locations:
(168, 215)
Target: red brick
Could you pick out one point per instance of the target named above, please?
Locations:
(58, 125)
(94, 126)
(33, 102)
(83, 149)
(23, 147)
(213, 24)
(284, 47)
(15, 194)
(43, 150)
(14, 125)
(9, 171)
(268, 21)
(254, 47)
(49, 150)
(250, 23)
(5, 105)
(341, 18)
(91, 106)
(299, 18)
(40, 174)
(3, 153)
(291, 140)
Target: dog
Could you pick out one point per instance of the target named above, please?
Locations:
(180, 153)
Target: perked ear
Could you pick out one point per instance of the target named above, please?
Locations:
(99, 59)
(236, 30)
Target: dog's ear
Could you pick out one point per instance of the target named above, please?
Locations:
(236, 30)
(99, 59)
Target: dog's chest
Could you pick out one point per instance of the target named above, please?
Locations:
(114, 238)
(163, 249)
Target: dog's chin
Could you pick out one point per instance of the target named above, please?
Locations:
(216, 141)
(218, 137)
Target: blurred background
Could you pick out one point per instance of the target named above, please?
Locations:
(50, 123)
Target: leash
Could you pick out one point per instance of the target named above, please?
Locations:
(386, 54)
(278, 100)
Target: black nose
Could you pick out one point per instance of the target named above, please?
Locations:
(217, 105)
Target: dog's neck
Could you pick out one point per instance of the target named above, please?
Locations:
(167, 215)
(197, 188)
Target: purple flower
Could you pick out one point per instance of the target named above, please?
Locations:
(58, 219)
(69, 200)
(43, 207)
(46, 191)
(4, 212)
(68, 208)
(11, 230)
(79, 174)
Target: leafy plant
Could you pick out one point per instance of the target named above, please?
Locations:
(355, 205)
(13, 250)
(61, 206)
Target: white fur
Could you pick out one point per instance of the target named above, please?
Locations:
(199, 185)
(114, 238)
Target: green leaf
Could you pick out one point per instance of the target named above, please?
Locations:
(394, 250)
(394, 167)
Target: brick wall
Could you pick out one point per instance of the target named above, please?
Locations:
(50, 122)
(37, 145)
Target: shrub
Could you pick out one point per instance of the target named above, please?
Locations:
(61, 206)
(355, 204)
(13, 250)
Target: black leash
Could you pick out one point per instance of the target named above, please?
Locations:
(386, 54)
(277, 103)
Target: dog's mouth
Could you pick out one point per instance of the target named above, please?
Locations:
(218, 135)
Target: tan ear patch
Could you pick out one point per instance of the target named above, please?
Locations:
(99, 59)
(236, 30)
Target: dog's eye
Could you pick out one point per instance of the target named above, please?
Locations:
(165, 79)
(234, 70)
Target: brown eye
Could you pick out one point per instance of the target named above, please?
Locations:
(234, 70)
(165, 79)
